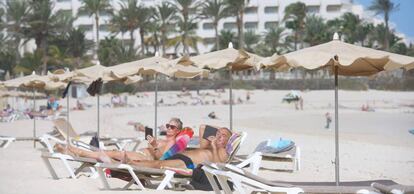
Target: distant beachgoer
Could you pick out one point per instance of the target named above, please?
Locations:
(328, 120)
(239, 100)
(212, 115)
(301, 103)
(247, 96)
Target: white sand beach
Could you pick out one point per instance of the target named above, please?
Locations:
(373, 145)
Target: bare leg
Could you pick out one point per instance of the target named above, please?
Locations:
(158, 163)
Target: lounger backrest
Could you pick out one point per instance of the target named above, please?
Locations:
(236, 147)
(62, 126)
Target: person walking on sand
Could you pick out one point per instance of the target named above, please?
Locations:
(328, 120)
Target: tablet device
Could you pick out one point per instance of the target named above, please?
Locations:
(148, 131)
(209, 131)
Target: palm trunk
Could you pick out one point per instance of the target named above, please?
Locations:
(296, 40)
(131, 36)
(241, 38)
(97, 33)
(45, 59)
(141, 34)
(238, 23)
(217, 36)
(163, 40)
(387, 31)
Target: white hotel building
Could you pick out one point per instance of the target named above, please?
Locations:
(259, 15)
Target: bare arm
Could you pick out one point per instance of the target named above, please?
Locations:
(219, 154)
(204, 143)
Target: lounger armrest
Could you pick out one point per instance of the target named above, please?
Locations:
(46, 139)
(253, 160)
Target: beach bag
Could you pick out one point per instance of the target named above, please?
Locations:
(275, 146)
(200, 181)
(94, 142)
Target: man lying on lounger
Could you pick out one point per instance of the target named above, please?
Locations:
(216, 152)
(155, 150)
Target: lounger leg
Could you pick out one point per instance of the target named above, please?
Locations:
(168, 176)
(50, 168)
(225, 186)
(213, 182)
(134, 176)
(81, 167)
(128, 185)
(67, 166)
(2, 144)
(103, 178)
(297, 159)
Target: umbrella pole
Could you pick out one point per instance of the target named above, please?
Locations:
(67, 116)
(98, 124)
(156, 106)
(336, 129)
(231, 98)
(34, 118)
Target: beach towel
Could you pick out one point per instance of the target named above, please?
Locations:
(275, 146)
(181, 142)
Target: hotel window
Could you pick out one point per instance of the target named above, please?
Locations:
(208, 26)
(333, 8)
(87, 27)
(251, 25)
(229, 25)
(269, 25)
(312, 9)
(209, 40)
(250, 10)
(65, 12)
(82, 13)
(272, 9)
(104, 27)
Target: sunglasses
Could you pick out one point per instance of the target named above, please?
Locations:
(171, 126)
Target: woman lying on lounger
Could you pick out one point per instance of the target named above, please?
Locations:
(156, 148)
(214, 152)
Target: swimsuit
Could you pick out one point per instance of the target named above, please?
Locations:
(188, 162)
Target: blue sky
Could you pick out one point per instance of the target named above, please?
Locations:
(403, 18)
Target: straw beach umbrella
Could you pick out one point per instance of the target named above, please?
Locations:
(34, 82)
(229, 58)
(170, 69)
(342, 59)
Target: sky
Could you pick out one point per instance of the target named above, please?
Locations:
(403, 18)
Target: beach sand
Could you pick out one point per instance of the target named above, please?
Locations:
(373, 145)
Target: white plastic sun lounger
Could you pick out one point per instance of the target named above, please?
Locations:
(5, 141)
(167, 177)
(50, 154)
(243, 181)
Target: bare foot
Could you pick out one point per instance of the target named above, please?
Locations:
(104, 158)
(59, 148)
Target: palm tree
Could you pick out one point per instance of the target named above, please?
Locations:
(350, 24)
(274, 38)
(384, 7)
(363, 31)
(227, 36)
(186, 23)
(43, 23)
(251, 39)
(77, 45)
(295, 14)
(315, 30)
(164, 14)
(144, 16)
(236, 8)
(127, 19)
(17, 12)
(215, 10)
(94, 7)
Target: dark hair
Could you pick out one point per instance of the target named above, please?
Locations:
(178, 121)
